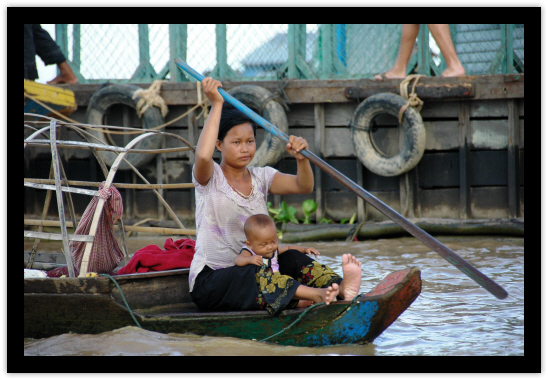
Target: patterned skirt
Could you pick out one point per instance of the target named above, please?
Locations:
(253, 287)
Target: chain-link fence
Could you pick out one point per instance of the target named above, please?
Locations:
(145, 52)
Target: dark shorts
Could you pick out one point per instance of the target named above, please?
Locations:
(253, 287)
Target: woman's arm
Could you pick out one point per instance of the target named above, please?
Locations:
(246, 258)
(303, 182)
(203, 166)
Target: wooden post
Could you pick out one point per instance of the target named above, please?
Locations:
(319, 148)
(513, 159)
(59, 193)
(464, 159)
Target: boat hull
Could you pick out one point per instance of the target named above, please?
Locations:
(95, 305)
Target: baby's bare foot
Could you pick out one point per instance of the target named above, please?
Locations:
(331, 293)
(352, 277)
(305, 303)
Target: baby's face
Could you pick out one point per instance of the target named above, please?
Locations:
(263, 241)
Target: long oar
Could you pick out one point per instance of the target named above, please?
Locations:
(423, 236)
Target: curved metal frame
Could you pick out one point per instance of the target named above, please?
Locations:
(109, 176)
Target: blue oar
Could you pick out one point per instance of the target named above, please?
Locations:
(420, 234)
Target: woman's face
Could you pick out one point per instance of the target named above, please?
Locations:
(238, 147)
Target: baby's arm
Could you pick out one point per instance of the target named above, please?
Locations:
(308, 251)
(246, 258)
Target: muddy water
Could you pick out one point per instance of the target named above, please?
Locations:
(452, 316)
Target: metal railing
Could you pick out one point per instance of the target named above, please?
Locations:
(141, 53)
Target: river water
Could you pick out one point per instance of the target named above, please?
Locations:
(452, 316)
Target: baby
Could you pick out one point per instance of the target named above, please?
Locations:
(261, 245)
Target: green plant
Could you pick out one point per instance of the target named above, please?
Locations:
(325, 220)
(284, 214)
(271, 210)
(308, 207)
(351, 221)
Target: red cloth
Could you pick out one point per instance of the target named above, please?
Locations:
(175, 255)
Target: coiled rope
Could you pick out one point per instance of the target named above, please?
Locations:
(412, 99)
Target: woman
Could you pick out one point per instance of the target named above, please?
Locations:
(226, 195)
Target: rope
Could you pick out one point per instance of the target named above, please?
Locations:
(123, 298)
(291, 325)
(301, 316)
(412, 100)
(150, 98)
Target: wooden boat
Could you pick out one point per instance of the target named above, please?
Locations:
(160, 301)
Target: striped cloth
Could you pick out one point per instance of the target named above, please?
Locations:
(105, 253)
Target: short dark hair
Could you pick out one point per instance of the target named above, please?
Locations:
(256, 221)
(231, 117)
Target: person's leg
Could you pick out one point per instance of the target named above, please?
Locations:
(317, 295)
(442, 36)
(313, 274)
(409, 33)
(352, 277)
(232, 288)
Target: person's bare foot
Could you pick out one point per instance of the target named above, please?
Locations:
(390, 74)
(305, 303)
(352, 277)
(453, 71)
(331, 294)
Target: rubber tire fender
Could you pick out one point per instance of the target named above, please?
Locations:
(113, 94)
(272, 148)
(414, 135)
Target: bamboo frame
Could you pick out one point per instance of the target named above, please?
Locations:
(32, 181)
(101, 202)
(45, 184)
(160, 230)
(59, 193)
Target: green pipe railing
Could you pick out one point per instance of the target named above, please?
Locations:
(330, 57)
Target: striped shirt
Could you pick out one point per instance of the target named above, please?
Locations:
(220, 216)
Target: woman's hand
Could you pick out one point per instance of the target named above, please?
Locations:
(312, 251)
(211, 90)
(295, 145)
